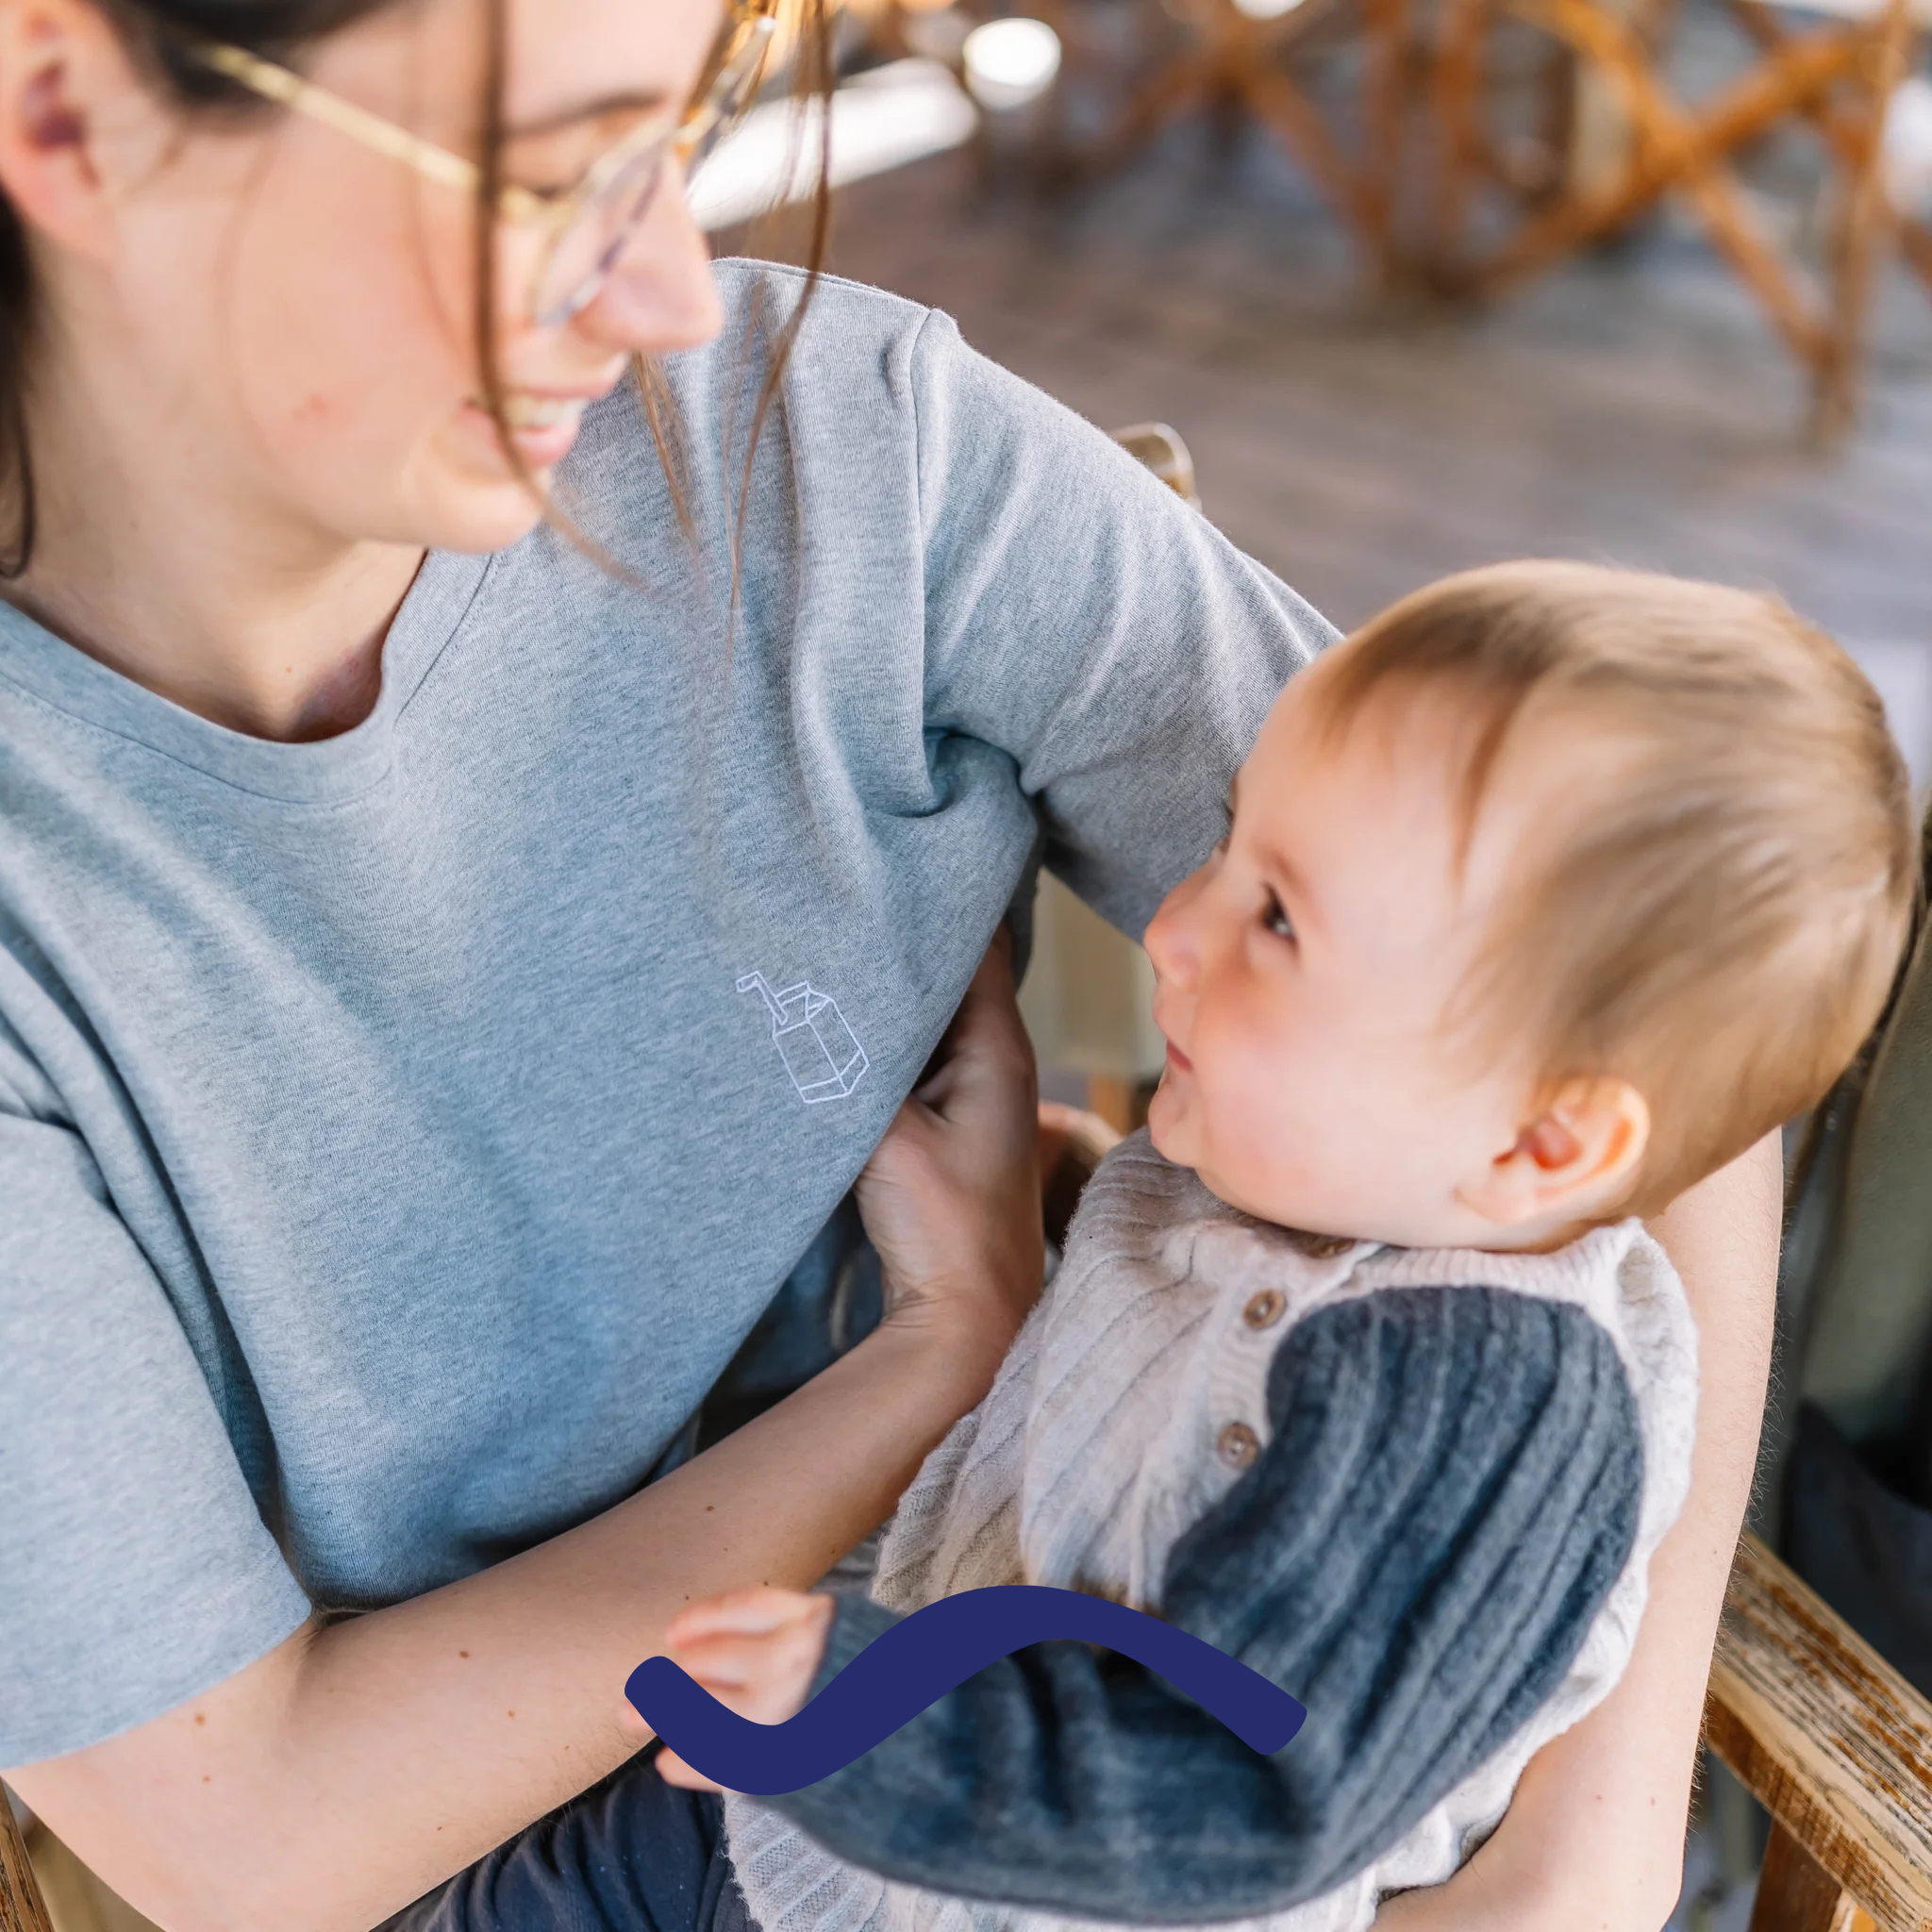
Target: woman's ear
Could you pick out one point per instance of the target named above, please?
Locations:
(69, 97)
(1571, 1163)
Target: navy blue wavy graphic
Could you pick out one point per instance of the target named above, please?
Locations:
(914, 1663)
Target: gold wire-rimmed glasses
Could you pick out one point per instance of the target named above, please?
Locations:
(585, 226)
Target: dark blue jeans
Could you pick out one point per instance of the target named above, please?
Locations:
(634, 1853)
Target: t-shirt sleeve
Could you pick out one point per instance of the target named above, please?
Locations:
(135, 1568)
(1083, 618)
(1451, 1489)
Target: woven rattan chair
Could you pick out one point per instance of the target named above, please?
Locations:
(1835, 74)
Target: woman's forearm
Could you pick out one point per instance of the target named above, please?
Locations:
(1594, 1839)
(355, 1767)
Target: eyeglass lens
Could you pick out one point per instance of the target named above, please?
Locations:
(588, 249)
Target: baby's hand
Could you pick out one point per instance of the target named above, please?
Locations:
(754, 1651)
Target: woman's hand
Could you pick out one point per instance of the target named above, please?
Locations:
(951, 1198)
(755, 1651)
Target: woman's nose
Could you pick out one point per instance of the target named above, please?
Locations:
(661, 294)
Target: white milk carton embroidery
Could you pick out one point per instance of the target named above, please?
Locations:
(821, 1053)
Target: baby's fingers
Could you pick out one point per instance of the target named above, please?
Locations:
(727, 1662)
(759, 1607)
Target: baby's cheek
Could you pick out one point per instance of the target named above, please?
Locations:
(1274, 1142)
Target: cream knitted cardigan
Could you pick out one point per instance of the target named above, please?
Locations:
(1096, 1448)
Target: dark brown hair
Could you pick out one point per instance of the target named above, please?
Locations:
(159, 35)
(1716, 910)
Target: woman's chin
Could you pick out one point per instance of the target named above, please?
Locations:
(478, 515)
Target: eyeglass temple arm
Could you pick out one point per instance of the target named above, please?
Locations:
(280, 84)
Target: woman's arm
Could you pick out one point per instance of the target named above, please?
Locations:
(352, 1768)
(1594, 1839)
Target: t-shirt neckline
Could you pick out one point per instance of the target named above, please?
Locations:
(326, 770)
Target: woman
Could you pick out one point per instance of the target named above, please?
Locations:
(450, 977)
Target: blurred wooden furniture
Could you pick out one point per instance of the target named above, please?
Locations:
(1254, 58)
(1835, 1744)
(1837, 75)
(1158, 446)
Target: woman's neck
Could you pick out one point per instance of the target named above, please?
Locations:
(154, 558)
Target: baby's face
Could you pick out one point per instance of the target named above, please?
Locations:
(1304, 975)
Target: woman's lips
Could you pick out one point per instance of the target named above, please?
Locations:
(1178, 1059)
(541, 428)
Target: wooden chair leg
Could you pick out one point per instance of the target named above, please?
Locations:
(1387, 117)
(1728, 221)
(1862, 237)
(1277, 101)
(1457, 84)
(1796, 1894)
(1177, 86)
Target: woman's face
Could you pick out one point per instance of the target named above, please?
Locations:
(309, 303)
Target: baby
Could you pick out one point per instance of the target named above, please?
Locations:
(1545, 896)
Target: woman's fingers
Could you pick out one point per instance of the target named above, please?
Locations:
(753, 1664)
(754, 1651)
(951, 1196)
(986, 1054)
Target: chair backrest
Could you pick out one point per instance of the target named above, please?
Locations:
(1158, 447)
(22, 1908)
(1835, 1744)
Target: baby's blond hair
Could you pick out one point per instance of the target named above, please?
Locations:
(1719, 922)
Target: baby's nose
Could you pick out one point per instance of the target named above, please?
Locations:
(1169, 939)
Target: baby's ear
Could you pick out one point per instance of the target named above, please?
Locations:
(1571, 1163)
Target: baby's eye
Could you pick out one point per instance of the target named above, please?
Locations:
(1274, 917)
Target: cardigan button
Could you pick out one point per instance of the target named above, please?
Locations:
(1237, 1446)
(1264, 1309)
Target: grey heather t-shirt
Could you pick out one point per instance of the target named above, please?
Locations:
(398, 1134)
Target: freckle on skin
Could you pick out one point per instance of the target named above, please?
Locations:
(200, 1717)
(460, 1653)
